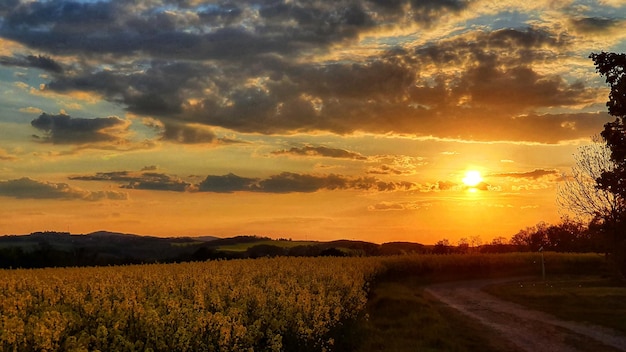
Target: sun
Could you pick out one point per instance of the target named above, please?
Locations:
(472, 178)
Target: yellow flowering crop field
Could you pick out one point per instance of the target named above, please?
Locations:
(240, 305)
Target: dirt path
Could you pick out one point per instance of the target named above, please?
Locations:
(527, 329)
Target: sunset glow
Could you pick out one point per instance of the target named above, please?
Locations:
(472, 178)
(309, 120)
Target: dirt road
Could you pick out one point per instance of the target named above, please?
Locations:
(527, 329)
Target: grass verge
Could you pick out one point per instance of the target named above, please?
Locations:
(403, 318)
(592, 299)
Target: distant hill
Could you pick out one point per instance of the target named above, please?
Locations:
(205, 238)
(49, 248)
(397, 248)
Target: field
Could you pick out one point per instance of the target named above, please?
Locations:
(242, 247)
(279, 304)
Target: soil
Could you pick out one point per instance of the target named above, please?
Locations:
(527, 330)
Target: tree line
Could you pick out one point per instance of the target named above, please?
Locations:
(568, 236)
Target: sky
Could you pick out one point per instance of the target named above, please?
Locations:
(312, 120)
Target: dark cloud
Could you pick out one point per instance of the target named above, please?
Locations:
(63, 129)
(227, 183)
(595, 24)
(220, 31)
(427, 11)
(158, 182)
(535, 174)
(158, 88)
(116, 176)
(216, 65)
(119, 28)
(26, 188)
(321, 151)
(286, 182)
(141, 180)
(191, 134)
(8, 5)
(386, 94)
(187, 134)
(42, 62)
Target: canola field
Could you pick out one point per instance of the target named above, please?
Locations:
(241, 305)
(269, 304)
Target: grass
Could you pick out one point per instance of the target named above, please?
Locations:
(404, 318)
(593, 299)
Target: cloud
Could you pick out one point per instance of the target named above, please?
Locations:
(26, 188)
(116, 176)
(286, 182)
(186, 134)
(595, 24)
(535, 174)
(395, 164)
(31, 110)
(484, 100)
(396, 206)
(172, 131)
(63, 129)
(6, 156)
(221, 31)
(445, 185)
(142, 180)
(321, 151)
(227, 183)
(42, 62)
(158, 182)
(278, 68)
(384, 170)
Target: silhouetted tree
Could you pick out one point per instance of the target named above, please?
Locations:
(463, 246)
(612, 67)
(531, 238)
(580, 192)
(567, 236)
(442, 247)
